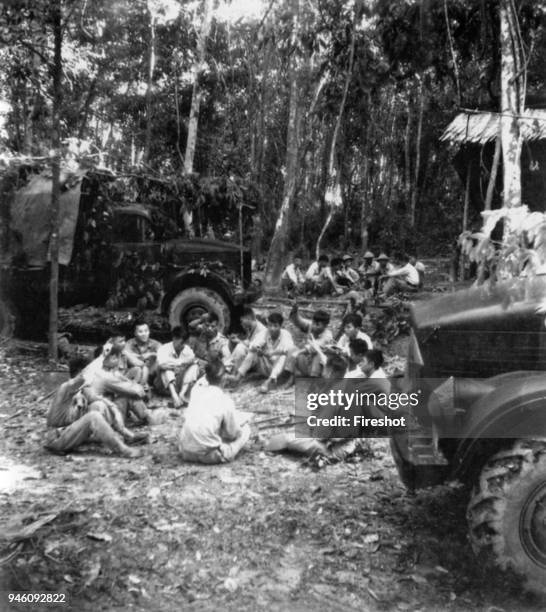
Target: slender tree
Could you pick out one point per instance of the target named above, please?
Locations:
(57, 68)
(512, 102)
(279, 242)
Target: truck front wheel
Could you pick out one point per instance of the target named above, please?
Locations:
(507, 512)
(191, 303)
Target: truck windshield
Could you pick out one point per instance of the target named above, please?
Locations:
(131, 228)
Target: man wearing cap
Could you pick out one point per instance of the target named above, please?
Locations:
(384, 267)
(369, 270)
(347, 270)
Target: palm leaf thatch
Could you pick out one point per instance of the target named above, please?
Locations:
(483, 127)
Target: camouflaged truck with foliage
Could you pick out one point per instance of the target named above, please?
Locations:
(115, 254)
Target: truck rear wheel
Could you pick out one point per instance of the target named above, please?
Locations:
(195, 301)
(507, 512)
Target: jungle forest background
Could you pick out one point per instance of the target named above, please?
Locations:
(319, 118)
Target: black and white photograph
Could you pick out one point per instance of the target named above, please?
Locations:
(273, 305)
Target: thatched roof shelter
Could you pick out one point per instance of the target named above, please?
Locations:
(473, 134)
(482, 127)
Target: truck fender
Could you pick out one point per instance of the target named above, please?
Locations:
(516, 408)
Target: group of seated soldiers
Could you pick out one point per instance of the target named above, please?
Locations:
(112, 391)
(335, 276)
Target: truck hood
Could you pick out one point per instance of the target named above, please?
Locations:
(497, 308)
(198, 245)
(483, 331)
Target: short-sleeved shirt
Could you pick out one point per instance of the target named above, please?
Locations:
(210, 420)
(407, 273)
(294, 274)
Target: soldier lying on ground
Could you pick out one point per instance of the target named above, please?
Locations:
(141, 354)
(73, 422)
(335, 367)
(177, 369)
(213, 431)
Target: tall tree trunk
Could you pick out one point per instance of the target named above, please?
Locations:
(278, 249)
(493, 174)
(196, 93)
(191, 140)
(149, 86)
(512, 103)
(56, 175)
(365, 180)
(333, 181)
(407, 161)
(415, 191)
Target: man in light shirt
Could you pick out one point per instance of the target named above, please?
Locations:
(255, 336)
(307, 361)
(177, 369)
(213, 431)
(352, 324)
(292, 278)
(403, 278)
(319, 278)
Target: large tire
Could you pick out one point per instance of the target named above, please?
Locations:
(507, 512)
(190, 302)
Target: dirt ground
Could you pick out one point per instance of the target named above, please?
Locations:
(264, 533)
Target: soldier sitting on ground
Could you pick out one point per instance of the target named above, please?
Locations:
(403, 278)
(347, 273)
(306, 361)
(209, 342)
(177, 369)
(369, 270)
(293, 278)
(213, 431)
(109, 382)
(352, 328)
(141, 354)
(255, 332)
(319, 278)
(73, 422)
(268, 355)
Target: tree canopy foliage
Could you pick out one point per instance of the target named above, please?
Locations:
(389, 74)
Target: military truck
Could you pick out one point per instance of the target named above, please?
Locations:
(482, 421)
(119, 255)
